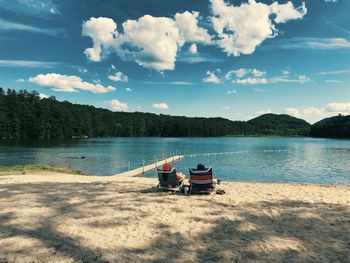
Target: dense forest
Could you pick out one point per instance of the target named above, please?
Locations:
(270, 124)
(24, 115)
(334, 127)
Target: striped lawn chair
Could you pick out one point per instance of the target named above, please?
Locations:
(168, 180)
(201, 181)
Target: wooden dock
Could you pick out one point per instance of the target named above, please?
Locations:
(144, 169)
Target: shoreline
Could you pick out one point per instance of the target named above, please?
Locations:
(51, 217)
(59, 170)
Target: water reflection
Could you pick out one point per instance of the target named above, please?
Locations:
(247, 159)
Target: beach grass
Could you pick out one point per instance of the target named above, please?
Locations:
(29, 168)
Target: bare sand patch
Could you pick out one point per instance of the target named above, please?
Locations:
(50, 217)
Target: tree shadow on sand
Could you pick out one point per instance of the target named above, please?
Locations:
(276, 231)
(297, 232)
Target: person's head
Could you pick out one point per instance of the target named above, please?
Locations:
(200, 167)
(166, 167)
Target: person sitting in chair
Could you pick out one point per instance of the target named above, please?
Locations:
(167, 167)
(201, 167)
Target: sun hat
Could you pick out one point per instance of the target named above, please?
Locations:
(166, 167)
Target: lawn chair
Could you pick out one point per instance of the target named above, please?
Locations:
(201, 181)
(168, 180)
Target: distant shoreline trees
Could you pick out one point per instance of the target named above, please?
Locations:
(24, 115)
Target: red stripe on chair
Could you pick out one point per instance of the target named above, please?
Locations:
(201, 177)
(201, 181)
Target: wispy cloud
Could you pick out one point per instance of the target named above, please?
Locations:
(231, 92)
(190, 58)
(334, 72)
(264, 111)
(29, 63)
(310, 43)
(333, 81)
(6, 25)
(180, 83)
(36, 8)
(256, 77)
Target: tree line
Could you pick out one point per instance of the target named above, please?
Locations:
(24, 114)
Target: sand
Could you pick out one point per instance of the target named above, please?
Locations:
(51, 217)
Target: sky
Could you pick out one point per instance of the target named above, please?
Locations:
(205, 58)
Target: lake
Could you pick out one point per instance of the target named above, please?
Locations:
(232, 158)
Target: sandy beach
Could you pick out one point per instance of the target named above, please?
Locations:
(50, 217)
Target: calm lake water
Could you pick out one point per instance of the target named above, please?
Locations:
(232, 159)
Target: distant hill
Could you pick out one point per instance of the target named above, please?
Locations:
(333, 127)
(280, 124)
(24, 115)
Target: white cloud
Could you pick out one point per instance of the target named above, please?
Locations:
(160, 106)
(226, 108)
(128, 89)
(310, 113)
(151, 42)
(302, 79)
(64, 83)
(264, 111)
(254, 76)
(239, 73)
(314, 114)
(117, 105)
(211, 78)
(231, 91)
(258, 73)
(251, 81)
(43, 96)
(20, 80)
(118, 76)
(293, 112)
(241, 29)
(82, 70)
(188, 25)
(102, 32)
(193, 48)
(6, 25)
(285, 12)
(338, 107)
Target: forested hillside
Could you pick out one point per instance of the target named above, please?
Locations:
(271, 124)
(334, 127)
(25, 115)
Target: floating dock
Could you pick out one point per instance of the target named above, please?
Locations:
(150, 167)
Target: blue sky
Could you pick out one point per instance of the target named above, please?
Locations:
(234, 59)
